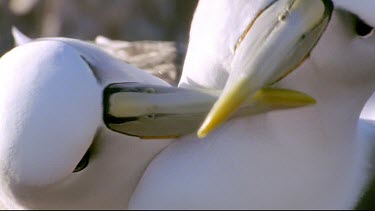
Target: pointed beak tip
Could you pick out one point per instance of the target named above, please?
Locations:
(205, 129)
(312, 101)
(307, 100)
(201, 135)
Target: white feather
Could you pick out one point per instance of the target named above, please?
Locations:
(306, 158)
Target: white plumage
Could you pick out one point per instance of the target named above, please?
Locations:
(51, 109)
(307, 158)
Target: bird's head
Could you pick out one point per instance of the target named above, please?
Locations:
(52, 107)
(257, 44)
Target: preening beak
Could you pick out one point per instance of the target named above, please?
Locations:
(275, 43)
(155, 112)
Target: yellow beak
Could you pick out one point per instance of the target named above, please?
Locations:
(275, 43)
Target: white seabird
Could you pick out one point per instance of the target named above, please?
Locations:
(62, 101)
(315, 157)
(51, 109)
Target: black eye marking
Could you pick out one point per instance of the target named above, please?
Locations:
(83, 163)
(93, 70)
(362, 29)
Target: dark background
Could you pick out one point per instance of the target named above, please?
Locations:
(131, 20)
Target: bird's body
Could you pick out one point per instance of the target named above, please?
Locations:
(315, 157)
(312, 157)
(51, 105)
(254, 163)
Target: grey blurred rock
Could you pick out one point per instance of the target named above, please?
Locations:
(22, 7)
(118, 19)
(157, 57)
(131, 20)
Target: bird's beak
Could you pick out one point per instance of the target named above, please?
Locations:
(274, 44)
(157, 112)
(154, 112)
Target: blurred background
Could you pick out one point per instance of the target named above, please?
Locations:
(130, 20)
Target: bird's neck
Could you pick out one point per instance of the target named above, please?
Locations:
(339, 102)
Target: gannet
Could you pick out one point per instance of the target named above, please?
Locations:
(314, 157)
(65, 106)
(56, 152)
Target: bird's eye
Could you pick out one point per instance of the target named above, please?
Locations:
(363, 29)
(83, 163)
